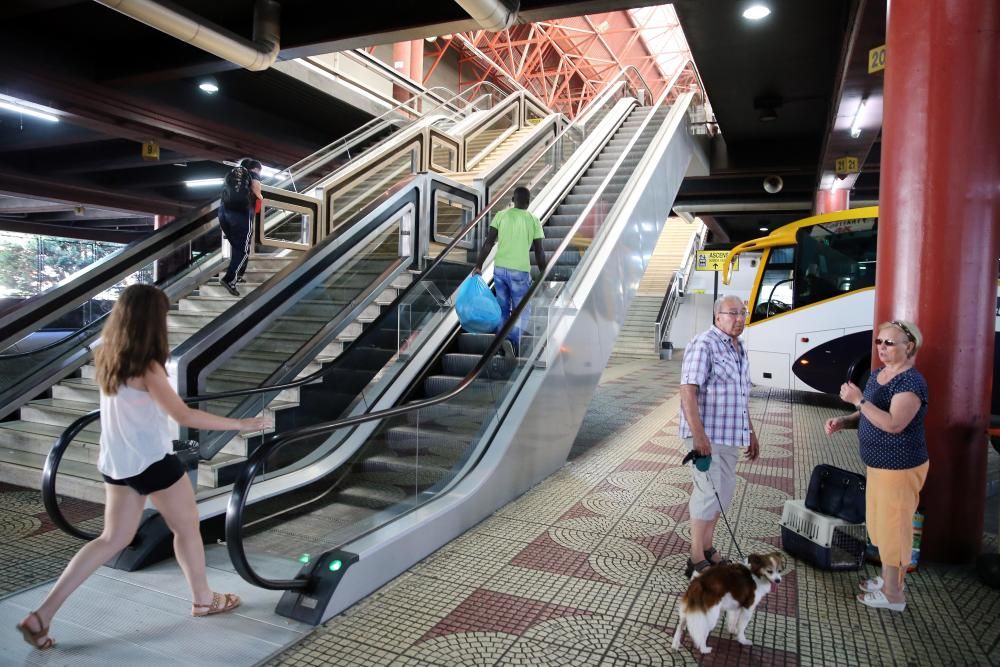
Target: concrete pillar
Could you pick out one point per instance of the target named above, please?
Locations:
(830, 201)
(937, 244)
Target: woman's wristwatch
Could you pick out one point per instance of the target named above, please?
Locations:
(860, 403)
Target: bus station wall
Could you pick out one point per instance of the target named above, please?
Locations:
(695, 312)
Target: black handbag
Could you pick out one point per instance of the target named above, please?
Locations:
(837, 492)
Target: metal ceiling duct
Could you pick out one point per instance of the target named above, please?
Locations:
(491, 15)
(178, 22)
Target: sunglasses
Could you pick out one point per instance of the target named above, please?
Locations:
(887, 342)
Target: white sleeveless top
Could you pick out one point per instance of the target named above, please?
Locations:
(135, 433)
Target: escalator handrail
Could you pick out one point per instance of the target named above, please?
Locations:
(18, 322)
(241, 486)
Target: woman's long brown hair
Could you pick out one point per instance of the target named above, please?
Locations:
(134, 337)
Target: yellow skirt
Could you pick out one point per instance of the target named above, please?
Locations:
(891, 499)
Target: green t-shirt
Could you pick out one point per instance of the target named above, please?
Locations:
(516, 229)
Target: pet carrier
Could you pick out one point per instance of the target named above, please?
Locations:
(824, 541)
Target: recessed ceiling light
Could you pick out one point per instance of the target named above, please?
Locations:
(756, 12)
(203, 182)
(209, 87)
(27, 108)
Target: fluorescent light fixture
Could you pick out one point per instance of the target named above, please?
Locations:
(756, 12)
(203, 182)
(209, 87)
(28, 108)
(762, 229)
(856, 123)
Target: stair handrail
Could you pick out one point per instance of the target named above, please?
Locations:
(241, 486)
(678, 286)
(370, 128)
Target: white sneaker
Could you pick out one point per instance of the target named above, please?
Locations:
(878, 600)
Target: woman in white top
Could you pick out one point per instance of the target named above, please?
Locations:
(135, 457)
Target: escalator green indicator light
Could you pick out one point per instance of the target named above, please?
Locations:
(304, 559)
(336, 565)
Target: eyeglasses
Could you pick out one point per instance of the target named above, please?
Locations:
(887, 342)
(735, 313)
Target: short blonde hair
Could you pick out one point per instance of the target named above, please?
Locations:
(909, 329)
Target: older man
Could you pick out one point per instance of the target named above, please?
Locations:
(715, 420)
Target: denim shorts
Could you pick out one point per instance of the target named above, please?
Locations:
(158, 476)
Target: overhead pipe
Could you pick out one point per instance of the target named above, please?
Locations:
(178, 22)
(491, 15)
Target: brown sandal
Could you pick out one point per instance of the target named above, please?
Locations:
(221, 603)
(32, 637)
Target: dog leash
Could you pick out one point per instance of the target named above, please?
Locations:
(728, 527)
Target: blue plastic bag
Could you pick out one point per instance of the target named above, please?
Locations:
(478, 310)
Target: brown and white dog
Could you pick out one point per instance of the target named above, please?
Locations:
(734, 588)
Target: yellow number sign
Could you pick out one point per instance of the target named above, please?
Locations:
(150, 150)
(876, 59)
(846, 165)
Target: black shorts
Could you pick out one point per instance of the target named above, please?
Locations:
(158, 476)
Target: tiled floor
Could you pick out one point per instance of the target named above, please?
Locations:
(32, 549)
(586, 569)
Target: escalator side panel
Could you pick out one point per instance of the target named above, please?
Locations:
(540, 426)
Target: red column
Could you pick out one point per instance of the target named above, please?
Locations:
(829, 201)
(417, 60)
(937, 245)
(162, 267)
(401, 63)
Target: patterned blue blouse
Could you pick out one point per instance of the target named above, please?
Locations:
(894, 451)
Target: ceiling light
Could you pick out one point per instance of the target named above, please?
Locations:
(203, 182)
(28, 109)
(209, 86)
(432, 38)
(762, 229)
(756, 12)
(856, 123)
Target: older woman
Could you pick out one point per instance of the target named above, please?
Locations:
(889, 417)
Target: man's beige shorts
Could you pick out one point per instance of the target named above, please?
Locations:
(721, 474)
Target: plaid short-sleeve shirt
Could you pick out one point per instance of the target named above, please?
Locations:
(722, 374)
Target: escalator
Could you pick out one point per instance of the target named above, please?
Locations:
(378, 491)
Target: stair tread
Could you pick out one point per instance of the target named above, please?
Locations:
(50, 430)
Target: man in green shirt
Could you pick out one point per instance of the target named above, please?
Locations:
(514, 231)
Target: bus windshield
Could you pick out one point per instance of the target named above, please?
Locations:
(827, 260)
(834, 258)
